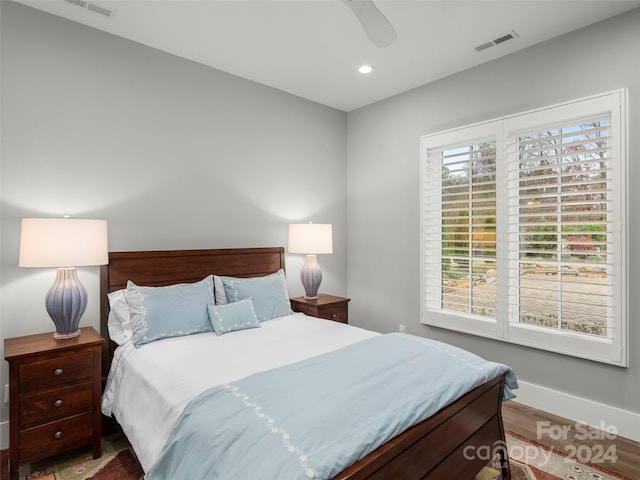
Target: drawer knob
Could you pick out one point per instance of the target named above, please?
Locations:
(58, 403)
(57, 372)
(333, 316)
(58, 434)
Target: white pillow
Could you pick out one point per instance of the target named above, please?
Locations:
(218, 291)
(119, 320)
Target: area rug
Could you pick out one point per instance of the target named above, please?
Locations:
(116, 463)
(528, 461)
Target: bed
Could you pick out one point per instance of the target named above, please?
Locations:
(440, 446)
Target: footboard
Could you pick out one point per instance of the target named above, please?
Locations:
(444, 445)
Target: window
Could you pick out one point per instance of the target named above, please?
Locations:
(523, 234)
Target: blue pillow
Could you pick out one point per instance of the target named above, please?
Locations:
(172, 311)
(269, 294)
(233, 316)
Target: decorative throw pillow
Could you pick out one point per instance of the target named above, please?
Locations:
(233, 316)
(172, 311)
(269, 294)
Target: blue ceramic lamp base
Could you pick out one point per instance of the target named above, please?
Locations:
(311, 276)
(66, 301)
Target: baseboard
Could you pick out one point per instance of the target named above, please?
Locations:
(4, 435)
(599, 415)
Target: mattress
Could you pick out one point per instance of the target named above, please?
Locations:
(149, 387)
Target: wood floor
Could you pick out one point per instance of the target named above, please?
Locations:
(540, 427)
(524, 421)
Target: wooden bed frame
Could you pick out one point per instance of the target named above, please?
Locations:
(443, 446)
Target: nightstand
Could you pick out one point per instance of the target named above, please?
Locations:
(54, 393)
(325, 306)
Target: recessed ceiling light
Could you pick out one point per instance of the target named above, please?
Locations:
(365, 69)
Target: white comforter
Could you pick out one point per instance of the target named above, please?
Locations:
(148, 388)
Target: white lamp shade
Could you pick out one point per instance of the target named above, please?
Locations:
(310, 238)
(63, 242)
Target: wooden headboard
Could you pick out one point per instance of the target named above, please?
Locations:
(166, 267)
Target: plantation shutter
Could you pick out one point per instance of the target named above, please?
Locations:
(523, 229)
(560, 230)
(460, 228)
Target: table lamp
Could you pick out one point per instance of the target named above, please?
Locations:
(311, 239)
(66, 244)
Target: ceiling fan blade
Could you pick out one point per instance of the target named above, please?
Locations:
(375, 24)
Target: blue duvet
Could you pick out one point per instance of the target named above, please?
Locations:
(314, 418)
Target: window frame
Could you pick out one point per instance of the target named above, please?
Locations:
(611, 349)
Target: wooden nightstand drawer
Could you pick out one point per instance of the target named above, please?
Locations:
(336, 314)
(328, 307)
(55, 403)
(56, 437)
(49, 373)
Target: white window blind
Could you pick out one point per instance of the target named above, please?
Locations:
(560, 185)
(462, 262)
(523, 234)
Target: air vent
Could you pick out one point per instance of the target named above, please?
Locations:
(509, 36)
(77, 3)
(92, 7)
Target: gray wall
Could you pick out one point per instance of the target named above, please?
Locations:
(171, 153)
(383, 191)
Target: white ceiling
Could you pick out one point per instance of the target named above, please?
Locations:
(312, 48)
